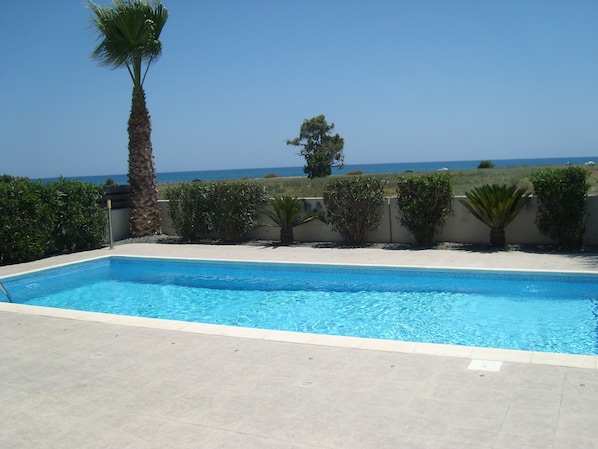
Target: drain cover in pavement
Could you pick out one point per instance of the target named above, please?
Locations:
(485, 365)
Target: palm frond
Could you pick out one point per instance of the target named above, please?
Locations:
(128, 34)
(496, 206)
(286, 212)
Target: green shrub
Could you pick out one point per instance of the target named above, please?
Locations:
(24, 224)
(562, 204)
(270, 175)
(78, 220)
(10, 178)
(190, 206)
(486, 164)
(37, 220)
(424, 203)
(354, 206)
(226, 210)
(236, 205)
(354, 173)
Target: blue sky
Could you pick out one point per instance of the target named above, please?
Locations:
(403, 81)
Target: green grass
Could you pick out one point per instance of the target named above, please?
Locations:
(463, 180)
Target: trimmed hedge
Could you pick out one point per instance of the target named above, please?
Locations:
(38, 220)
(79, 220)
(190, 210)
(214, 210)
(424, 204)
(354, 206)
(562, 204)
(24, 217)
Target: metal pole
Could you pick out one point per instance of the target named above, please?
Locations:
(390, 218)
(6, 293)
(109, 204)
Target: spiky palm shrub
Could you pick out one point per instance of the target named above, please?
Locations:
(287, 212)
(129, 33)
(496, 206)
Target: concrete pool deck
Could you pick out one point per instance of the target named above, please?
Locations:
(80, 380)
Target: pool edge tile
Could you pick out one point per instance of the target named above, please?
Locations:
(503, 355)
(289, 336)
(68, 314)
(566, 360)
(244, 332)
(203, 328)
(336, 340)
(463, 352)
(374, 344)
(156, 323)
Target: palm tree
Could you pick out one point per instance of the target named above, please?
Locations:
(496, 206)
(286, 212)
(129, 33)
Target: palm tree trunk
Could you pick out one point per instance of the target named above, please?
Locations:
(286, 236)
(498, 238)
(144, 216)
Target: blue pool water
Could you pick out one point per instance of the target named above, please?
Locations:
(528, 311)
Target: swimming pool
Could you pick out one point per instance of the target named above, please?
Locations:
(512, 310)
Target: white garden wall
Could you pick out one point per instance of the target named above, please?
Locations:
(461, 227)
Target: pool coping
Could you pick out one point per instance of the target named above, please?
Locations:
(443, 350)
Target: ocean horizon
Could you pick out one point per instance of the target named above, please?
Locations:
(369, 169)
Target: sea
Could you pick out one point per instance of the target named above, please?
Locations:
(370, 169)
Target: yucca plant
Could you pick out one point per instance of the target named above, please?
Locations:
(287, 212)
(496, 206)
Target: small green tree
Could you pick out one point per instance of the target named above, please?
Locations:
(354, 206)
(424, 203)
(321, 149)
(10, 178)
(287, 212)
(562, 204)
(496, 206)
(486, 164)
